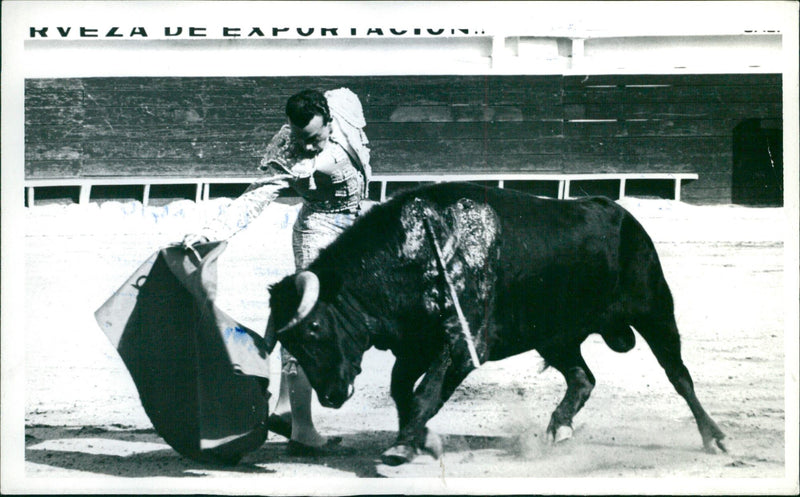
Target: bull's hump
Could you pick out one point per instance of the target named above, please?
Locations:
(465, 226)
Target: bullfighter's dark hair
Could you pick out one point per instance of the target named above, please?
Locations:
(303, 106)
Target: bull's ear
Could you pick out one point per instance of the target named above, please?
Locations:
(271, 335)
(330, 283)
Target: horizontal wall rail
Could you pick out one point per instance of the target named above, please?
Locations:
(564, 179)
(202, 186)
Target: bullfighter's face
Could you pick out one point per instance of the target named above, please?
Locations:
(313, 135)
(309, 329)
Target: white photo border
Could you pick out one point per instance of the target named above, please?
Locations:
(218, 52)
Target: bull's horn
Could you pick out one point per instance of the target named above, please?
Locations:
(308, 287)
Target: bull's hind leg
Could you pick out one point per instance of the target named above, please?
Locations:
(662, 337)
(580, 383)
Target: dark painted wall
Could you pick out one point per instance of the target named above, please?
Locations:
(219, 126)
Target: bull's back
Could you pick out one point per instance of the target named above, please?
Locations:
(562, 264)
(537, 230)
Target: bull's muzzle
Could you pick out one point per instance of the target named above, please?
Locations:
(335, 399)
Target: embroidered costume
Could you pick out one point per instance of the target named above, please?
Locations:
(331, 202)
(289, 165)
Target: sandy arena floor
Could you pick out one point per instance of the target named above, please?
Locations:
(85, 427)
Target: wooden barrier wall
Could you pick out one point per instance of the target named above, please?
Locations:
(416, 124)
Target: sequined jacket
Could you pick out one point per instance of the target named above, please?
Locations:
(287, 165)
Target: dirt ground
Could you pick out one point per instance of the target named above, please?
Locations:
(85, 427)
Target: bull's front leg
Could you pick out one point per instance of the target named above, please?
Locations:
(442, 377)
(406, 371)
(414, 412)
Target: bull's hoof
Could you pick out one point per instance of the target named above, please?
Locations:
(558, 430)
(712, 437)
(562, 434)
(398, 454)
(433, 445)
(710, 445)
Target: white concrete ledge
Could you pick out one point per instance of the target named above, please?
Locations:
(564, 179)
(202, 185)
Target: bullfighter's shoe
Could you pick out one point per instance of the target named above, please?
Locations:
(299, 449)
(277, 424)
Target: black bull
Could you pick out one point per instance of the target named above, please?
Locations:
(529, 273)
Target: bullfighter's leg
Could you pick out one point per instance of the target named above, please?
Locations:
(441, 379)
(662, 336)
(293, 408)
(580, 383)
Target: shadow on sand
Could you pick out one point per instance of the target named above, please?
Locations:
(128, 452)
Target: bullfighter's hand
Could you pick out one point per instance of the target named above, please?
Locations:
(193, 239)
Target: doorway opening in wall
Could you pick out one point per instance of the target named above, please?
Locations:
(758, 163)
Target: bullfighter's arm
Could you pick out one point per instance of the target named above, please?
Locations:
(245, 208)
(283, 163)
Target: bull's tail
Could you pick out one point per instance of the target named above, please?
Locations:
(644, 286)
(650, 310)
